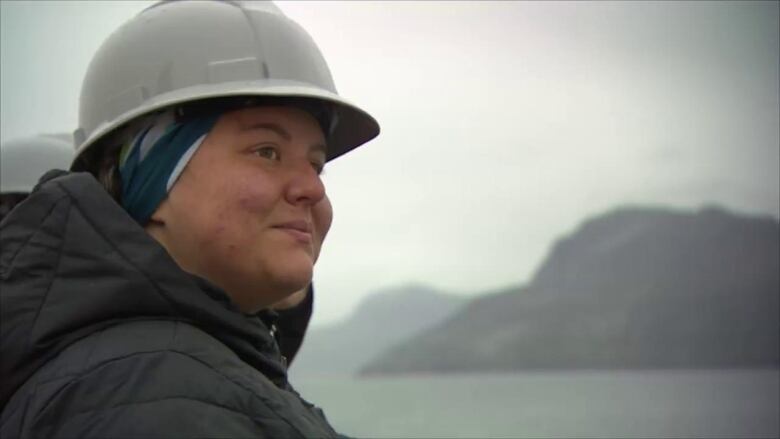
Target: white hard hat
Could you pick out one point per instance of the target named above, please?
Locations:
(179, 52)
(24, 161)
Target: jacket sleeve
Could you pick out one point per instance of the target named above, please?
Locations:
(153, 394)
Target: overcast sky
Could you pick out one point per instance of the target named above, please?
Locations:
(504, 124)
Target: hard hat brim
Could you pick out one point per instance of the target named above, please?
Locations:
(353, 128)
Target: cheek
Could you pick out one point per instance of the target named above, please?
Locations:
(322, 214)
(255, 199)
(225, 211)
(249, 188)
(245, 206)
(224, 235)
(215, 239)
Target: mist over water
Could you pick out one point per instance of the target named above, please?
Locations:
(616, 404)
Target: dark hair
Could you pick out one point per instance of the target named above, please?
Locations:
(102, 161)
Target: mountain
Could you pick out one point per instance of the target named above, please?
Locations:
(380, 321)
(632, 288)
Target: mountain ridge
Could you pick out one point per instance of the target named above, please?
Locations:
(634, 287)
(380, 321)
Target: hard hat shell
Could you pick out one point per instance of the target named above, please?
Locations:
(177, 52)
(24, 161)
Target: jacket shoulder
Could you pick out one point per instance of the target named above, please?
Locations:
(152, 378)
(42, 217)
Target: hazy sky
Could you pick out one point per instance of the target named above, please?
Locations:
(504, 124)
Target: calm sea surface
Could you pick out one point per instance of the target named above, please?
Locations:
(726, 404)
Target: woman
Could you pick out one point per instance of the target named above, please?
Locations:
(133, 292)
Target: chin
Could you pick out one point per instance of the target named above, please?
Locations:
(251, 299)
(291, 273)
(294, 280)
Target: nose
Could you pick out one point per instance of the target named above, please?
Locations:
(305, 186)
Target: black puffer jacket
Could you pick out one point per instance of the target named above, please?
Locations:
(291, 326)
(102, 335)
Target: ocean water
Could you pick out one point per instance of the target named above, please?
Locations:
(619, 404)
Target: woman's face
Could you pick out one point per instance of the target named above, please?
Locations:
(249, 213)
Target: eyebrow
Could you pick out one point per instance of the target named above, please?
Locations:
(279, 130)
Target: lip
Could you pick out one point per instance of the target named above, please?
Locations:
(300, 230)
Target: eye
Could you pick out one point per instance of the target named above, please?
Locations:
(268, 152)
(319, 167)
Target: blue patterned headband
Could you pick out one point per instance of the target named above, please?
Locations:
(151, 162)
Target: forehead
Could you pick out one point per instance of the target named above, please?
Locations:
(295, 121)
